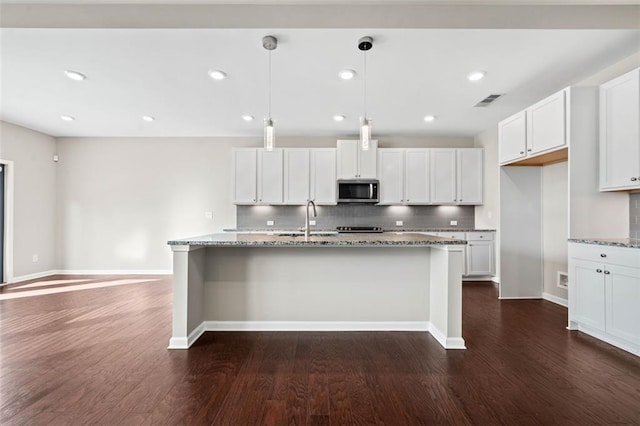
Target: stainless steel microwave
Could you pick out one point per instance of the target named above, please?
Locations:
(358, 191)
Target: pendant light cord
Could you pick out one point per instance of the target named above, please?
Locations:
(365, 84)
(270, 85)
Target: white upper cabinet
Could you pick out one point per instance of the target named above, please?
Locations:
(391, 176)
(457, 175)
(470, 174)
(537, 135)
(244, 175)
(443, 176)
(296, 175)
(270, 176)
(416, 179)
(404, 175)
(512, 134)
(546, 124)
(354, 163)
(323, 175)
(620, 133)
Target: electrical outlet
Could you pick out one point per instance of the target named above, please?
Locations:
(269, 223)
(208, 215)
(399, 223)
(312, 222)
(34, 258)
(453, 223)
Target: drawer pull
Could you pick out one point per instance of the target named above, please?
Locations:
(633, 179)
(607, 272)
(603, 255)
(599, 271)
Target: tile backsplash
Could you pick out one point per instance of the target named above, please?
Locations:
(329, 217)
(634, 215)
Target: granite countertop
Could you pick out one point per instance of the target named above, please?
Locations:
(395, 229)
(231, 239)
(616, 242)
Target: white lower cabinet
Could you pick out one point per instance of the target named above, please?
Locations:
(604, 293)
(481, 254)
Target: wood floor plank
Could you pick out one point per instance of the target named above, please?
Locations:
(98, 356)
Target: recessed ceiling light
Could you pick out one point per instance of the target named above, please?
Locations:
(67, 118)
(148, 118)
(217, 74)
(338, 118)
(75, 75)
(347, 74)
(429, 118)
(247, 118)
(476, 75)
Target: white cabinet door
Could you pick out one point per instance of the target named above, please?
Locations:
(391, 163)
(480, 258)
(354, 163)
(512, 137)
(443, 175)
(347, 159)
(470, 167)
(620, 132)
(416, 170)
(323, 175)
(270, 176)
(589, 294)
(296, 175)
(244, 175)
(546, 124)
(623, 302)
(368, 161)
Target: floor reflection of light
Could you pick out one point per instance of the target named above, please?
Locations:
(46, 283)
(100, 284)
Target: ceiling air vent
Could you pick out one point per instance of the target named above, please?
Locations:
(487, 101)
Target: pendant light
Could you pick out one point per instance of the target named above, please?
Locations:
(270, 43)
(364, 44)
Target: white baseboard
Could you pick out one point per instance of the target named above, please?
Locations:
(555, 299)
(114, 272)
(32, 276)
(447, 343)
(521, 298)
(316, 325)
(479, 278)
(186, 342)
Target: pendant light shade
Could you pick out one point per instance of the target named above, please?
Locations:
(364, 44)
(269, 43)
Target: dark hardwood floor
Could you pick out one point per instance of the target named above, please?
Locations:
(92, 350)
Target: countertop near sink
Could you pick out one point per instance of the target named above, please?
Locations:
(359, 239)
(616, 242)
(395, 229)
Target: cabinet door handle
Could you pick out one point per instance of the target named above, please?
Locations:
(633, 179)
(521, 152)
(603, 254)
(529, 150)
(607, 272)
(598, 270)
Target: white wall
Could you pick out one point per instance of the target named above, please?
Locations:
(555, 205)
(34, 200)
(121, 199)
(488, 215)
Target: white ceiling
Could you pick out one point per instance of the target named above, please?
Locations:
(411, 73)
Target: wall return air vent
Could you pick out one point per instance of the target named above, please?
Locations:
(487, 101)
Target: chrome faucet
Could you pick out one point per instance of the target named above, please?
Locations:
(307, 229)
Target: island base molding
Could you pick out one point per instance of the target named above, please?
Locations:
(317, 326)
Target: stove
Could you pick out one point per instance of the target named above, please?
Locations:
(355, 229)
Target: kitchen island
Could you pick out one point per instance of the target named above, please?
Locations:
(327, 282)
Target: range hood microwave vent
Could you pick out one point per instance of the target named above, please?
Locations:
(488, 101)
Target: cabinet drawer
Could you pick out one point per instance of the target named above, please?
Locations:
(456, 235)
(480, 236)
(606, 254)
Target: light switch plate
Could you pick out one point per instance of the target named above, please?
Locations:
(269, 223)
(399, 223)
(312, 222)
(208, 215)
(453, 223)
